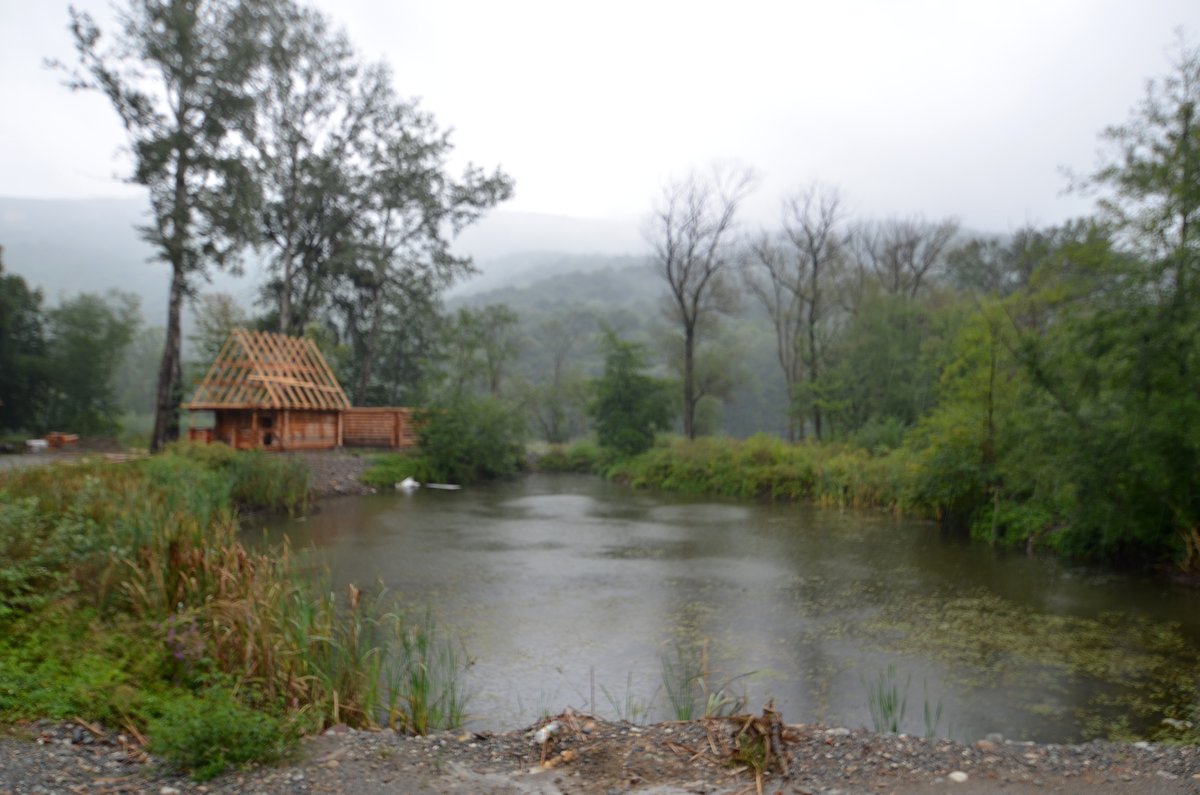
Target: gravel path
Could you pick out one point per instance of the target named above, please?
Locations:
(598, 758)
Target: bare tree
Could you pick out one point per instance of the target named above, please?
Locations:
(790, 274)
(692, 231)
(901, 252)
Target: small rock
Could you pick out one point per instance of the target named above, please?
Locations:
(1166, 775)
(958, 777)
(168, 791)
(986, 745)
(1141, 744)
(840, 732)
(994, 737)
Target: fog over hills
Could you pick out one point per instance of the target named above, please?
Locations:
(67, 246)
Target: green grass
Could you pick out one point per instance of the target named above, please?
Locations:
(830, 475)
(388, 469)
(126, 597)
(583, 456)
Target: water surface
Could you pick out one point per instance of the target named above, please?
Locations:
(569, 590)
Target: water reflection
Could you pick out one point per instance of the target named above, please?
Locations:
(566, 590)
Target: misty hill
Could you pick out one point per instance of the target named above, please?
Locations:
(67, 246)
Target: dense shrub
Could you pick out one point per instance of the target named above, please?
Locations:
(471, 438)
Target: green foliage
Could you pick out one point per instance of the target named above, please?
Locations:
(87, 338)
(213, 732)
(583, 456)
(883, 367)
(470, 438)
(65, 663)
(23, 369)
(629, 406)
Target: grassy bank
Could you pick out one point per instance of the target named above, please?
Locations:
(761, 467)
(126, 597)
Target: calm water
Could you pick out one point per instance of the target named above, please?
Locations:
(568, 590)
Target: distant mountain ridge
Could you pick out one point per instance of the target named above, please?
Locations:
(67, 246)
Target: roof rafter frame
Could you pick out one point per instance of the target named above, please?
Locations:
(270, 371)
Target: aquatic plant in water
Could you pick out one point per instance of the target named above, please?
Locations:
(887, 700)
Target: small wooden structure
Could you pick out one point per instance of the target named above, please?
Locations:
(274, 392)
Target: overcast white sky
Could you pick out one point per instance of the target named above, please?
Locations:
(938, 107)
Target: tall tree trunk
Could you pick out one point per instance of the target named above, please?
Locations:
(689, 382)
(813, 373)
(170, 373)
(368, 362)
(285, 292)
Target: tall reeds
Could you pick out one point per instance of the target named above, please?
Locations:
(156, 543)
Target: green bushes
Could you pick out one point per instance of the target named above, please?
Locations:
(466, 440)
(583, 456)
(472, 438)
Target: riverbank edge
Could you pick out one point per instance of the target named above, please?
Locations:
(602, 757)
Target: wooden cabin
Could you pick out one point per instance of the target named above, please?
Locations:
(274, 392)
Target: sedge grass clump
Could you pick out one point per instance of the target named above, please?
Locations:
(887, 700)
(693, 688)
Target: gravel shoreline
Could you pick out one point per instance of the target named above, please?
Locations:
(599, 758)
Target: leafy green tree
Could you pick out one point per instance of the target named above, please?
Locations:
(217, 315)
(313, 116)
(179, 77)
(23, 373)
(412, 211)
(87, 338)
(628, 406)
(881, 368)
(555, 392)
(1121, 360)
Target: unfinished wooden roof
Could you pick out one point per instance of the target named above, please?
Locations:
(260, 370)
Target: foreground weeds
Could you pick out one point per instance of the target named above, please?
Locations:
(127, 597)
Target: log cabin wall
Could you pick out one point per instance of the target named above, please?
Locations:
(274, 429)
(310, 430)
(378, 427)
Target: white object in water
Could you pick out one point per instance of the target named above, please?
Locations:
(36, 445)
(408, 484)
(443, 486)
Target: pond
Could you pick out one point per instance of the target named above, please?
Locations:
(572, 591)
